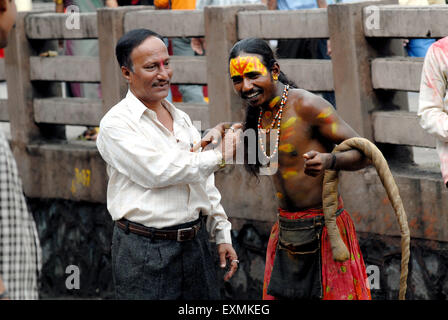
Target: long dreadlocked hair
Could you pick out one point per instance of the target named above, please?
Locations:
(262, 48)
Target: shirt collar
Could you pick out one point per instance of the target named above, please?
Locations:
(137, 108)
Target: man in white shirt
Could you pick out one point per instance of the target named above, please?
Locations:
(158, 188)
(433, 106)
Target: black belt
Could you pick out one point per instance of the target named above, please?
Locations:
(180, 234)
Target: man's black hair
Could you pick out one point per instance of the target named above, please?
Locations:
(128, 42)
(262, 48)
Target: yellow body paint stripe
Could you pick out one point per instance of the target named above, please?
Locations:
(286, 134)
(286, 148)
(325, 114)
(334, 128)
(289, 173)
(288, 123)
(274, 102)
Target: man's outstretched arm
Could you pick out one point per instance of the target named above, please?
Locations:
(322, 115)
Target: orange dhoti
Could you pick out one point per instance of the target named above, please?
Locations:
(339, 280)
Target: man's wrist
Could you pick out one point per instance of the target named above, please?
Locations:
(223, 237)
(220, 158)
(332, 161)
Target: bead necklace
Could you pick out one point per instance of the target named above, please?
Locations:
(278, 119)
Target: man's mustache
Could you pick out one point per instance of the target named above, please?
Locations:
(160, 83)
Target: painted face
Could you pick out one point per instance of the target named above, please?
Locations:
(251, 79)
(240, 66)
(151, 75)
(8, 14)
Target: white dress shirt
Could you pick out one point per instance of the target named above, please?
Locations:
(154, 179)
(433, 106)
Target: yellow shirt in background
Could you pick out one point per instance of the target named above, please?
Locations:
(175, 4)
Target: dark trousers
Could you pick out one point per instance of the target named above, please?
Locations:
(163, 269)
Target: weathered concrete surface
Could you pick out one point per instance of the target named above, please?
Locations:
(428, 276)
(425, 202)
(408, 21)
(178, 23)
(198, 113)
(311, 23)
(74, 111)
(397, 73)
(313, 69)
(186, 70)
(65, 171)
(65, 68)
(53, 26)
(4, 115)
(74, 233)
(400, 127)
(189, 70)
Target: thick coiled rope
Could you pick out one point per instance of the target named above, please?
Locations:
(330, 204)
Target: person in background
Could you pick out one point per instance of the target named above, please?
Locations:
(433, 106)
(20, 251)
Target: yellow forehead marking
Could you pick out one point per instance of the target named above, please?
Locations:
(274, 102)
(241, 65)
(286, 148)
(279, 195)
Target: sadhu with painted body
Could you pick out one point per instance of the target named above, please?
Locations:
(305, 128)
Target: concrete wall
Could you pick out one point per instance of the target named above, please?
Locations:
(79, 234)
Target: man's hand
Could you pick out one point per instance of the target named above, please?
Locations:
(229, 143)
(111, 3)
(316, 163)
(198, 45)
(226, 252)
(214, 136)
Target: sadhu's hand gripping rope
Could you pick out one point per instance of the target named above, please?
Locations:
(330, 204)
